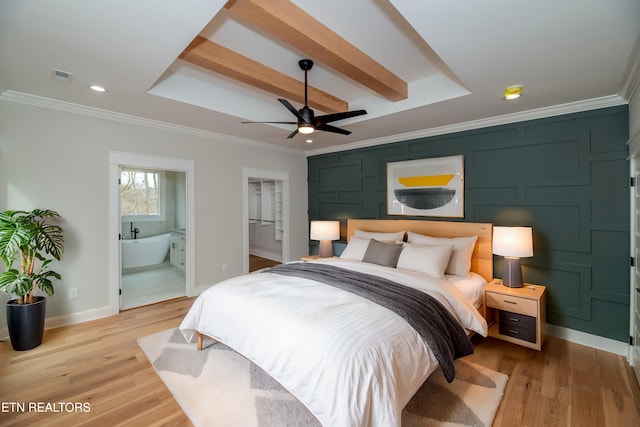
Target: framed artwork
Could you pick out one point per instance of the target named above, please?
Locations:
(426, 187)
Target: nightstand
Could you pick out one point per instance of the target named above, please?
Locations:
(517, 315)
(310, 257)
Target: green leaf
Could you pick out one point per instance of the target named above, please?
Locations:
(25, 236)
(15, 282)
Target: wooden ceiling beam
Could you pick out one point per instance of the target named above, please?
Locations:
(294, 26)
(212, 56)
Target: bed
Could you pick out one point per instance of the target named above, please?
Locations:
(351, 360)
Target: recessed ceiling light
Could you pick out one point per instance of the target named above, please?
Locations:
(513, 92)
(309, 141)
(97, 88)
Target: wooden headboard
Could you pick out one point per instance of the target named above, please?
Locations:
(482, 258)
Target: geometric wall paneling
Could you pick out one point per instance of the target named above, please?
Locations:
(571, 295)
(563, 223)
(441, 146)
(608, 319)
(565, 176)
(479, 194)
(340, 210)
(374, 162)
(561, 161)
(610, 194)
(608, 130)
(609, 255)
(339, 177)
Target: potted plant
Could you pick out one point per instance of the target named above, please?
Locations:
(29, 242)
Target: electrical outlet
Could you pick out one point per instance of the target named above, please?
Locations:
(224, 266)
(73, 293)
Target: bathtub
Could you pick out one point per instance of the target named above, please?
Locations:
(147, 251)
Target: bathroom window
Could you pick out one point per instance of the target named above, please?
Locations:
(142, 195)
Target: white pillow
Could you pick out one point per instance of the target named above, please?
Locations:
(431, 260)
(381, 237)
(460, 261)
(355, 249)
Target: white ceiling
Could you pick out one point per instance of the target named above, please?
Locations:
(457, 57)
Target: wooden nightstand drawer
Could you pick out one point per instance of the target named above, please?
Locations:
(508, 318)
(517, 332)
(513, 304)
(516, 315)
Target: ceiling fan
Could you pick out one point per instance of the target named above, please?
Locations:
(307, 122)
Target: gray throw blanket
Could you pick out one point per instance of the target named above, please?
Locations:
(437, 327)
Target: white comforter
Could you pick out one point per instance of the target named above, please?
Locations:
(350, 361)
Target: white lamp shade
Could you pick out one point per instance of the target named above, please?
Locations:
(325, 230)
(514, 242)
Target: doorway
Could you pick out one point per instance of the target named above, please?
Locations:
(151, 205)
(152, 235)
(266, 217)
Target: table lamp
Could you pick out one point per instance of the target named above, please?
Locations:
(325, 232)
(513, 243)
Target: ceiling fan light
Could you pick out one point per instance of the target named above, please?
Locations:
(306, 129)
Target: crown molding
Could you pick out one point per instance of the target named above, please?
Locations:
(573, 107)
(69, 107)
(539, 113)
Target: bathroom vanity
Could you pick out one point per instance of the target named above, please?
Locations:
(177, 249)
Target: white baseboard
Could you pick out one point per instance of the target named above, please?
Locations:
(73, 318)
(68, 319)
(266, 254)
(594, 341)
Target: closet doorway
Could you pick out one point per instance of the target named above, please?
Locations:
(151, 211)
(266, 218)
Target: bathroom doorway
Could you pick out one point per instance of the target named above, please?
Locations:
(152, 220)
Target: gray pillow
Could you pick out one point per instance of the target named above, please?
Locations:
(382, 253)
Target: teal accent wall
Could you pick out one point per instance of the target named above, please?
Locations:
(565, 176)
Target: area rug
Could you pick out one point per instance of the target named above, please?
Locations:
(217, 387)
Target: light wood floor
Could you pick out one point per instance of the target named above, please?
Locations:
(256, 263)
(100, 363)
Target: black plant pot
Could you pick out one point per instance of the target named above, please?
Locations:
(26, 323)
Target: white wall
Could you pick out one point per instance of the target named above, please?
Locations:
(59, 160)
(634, 117)
(631, 88)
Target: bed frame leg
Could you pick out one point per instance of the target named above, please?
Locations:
(200, 337)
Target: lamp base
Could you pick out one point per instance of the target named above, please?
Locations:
(512, 277)
(326, 249)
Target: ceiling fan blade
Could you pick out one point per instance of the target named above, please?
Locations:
(282, 123)
(327, 118)
(306, 116)
(329, 128)
(291, 108)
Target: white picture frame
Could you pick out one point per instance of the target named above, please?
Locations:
(426, 187)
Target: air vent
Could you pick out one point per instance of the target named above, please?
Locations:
(61, 76)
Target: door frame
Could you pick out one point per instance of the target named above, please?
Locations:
(634, 279)
(265, 174)
(117, 159)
